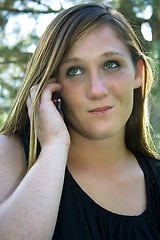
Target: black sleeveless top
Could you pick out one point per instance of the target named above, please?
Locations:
(80, 218)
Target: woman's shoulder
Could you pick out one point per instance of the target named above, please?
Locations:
(12, 164)
(151, 165)
(11, 145)
(145, 159)
(153, 162)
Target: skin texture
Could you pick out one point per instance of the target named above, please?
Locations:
(104, 77)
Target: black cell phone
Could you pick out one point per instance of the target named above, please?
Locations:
(56, 98)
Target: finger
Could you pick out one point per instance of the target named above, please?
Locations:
(51, 80)
(34, 88)
(48, 90)
(29, 106)
(46, 95)
(30, 99)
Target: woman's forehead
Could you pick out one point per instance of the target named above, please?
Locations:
(99, 40)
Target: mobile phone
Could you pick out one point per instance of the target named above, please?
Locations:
(56, 98)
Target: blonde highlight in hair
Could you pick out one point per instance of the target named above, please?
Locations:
(56, 41)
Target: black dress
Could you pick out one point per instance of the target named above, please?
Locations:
(80, 218)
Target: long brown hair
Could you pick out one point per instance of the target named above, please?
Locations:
(58, 38)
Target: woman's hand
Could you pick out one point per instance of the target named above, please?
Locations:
(51, 128)
(23, 216)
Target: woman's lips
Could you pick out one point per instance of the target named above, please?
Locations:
(100, 110)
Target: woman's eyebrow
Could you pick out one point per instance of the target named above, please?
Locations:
(106, 54)
(69, 60)
(110, 54)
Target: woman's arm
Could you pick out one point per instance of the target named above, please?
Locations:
(29, 210)
(30, 203)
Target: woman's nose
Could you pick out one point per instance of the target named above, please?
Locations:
(97, 87)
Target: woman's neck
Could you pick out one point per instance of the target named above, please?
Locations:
(93, 154)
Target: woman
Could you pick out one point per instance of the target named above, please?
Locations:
(90, 56)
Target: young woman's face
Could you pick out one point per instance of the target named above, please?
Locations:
(98, 79)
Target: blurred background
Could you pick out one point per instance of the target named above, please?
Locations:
(22, 22)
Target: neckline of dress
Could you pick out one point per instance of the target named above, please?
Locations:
(108, 212)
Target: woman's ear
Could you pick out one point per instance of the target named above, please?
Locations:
(138, 74)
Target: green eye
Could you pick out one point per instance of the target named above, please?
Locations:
(74, 71)
(110, 65)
